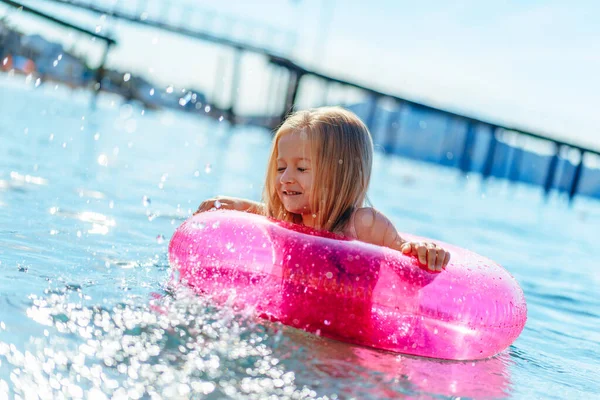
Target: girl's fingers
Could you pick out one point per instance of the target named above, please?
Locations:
(199, 210)
(439, 261)
(431, 256)
(406, 248)
(205, 206)
(446, 260)
(422, 253)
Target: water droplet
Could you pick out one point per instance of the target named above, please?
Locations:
(126, 77)
(160, 239)
(152, 92)
(55, 63)
(38, 82)
(111, 204)
(218, 204)
(146, 201)
(78, 234)
(98, 28)
(5, 61)
(207, 168)
(435, 331)
(196, 173)
(340, 161)
(103, 160)
(185, 99)
(329, 275)
(51, 138)
(96, 136)
(221, 118)
(327, 322)
(169, 89)
(152, 217)
(207, 109)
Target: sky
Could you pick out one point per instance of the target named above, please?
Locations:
(531, 64)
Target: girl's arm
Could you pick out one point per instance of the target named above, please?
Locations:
(374, 227)
(231, 203)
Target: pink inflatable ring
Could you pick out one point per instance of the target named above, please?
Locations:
(349, 290)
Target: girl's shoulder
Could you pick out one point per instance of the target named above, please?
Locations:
(368, 216)
(370, 225)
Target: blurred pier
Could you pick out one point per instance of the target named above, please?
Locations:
(399, 126)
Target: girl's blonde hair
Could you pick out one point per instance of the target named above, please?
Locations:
(341, 157)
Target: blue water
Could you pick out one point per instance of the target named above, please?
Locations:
(90, 198)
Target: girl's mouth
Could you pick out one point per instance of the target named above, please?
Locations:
(291, 193)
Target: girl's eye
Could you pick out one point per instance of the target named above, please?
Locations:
(301, 169)
(281, 169)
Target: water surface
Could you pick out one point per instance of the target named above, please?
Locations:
(90, 198)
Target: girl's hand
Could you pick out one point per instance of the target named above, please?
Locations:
(429, 254)
(217, 203)
(230, 203)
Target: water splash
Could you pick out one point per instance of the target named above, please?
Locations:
(176, 347)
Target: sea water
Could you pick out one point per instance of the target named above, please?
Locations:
(90, 196)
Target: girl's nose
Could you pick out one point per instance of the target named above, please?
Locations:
(286, 176)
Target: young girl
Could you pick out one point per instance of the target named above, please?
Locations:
(318, 174)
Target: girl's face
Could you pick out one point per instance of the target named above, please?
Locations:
(294, 172)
